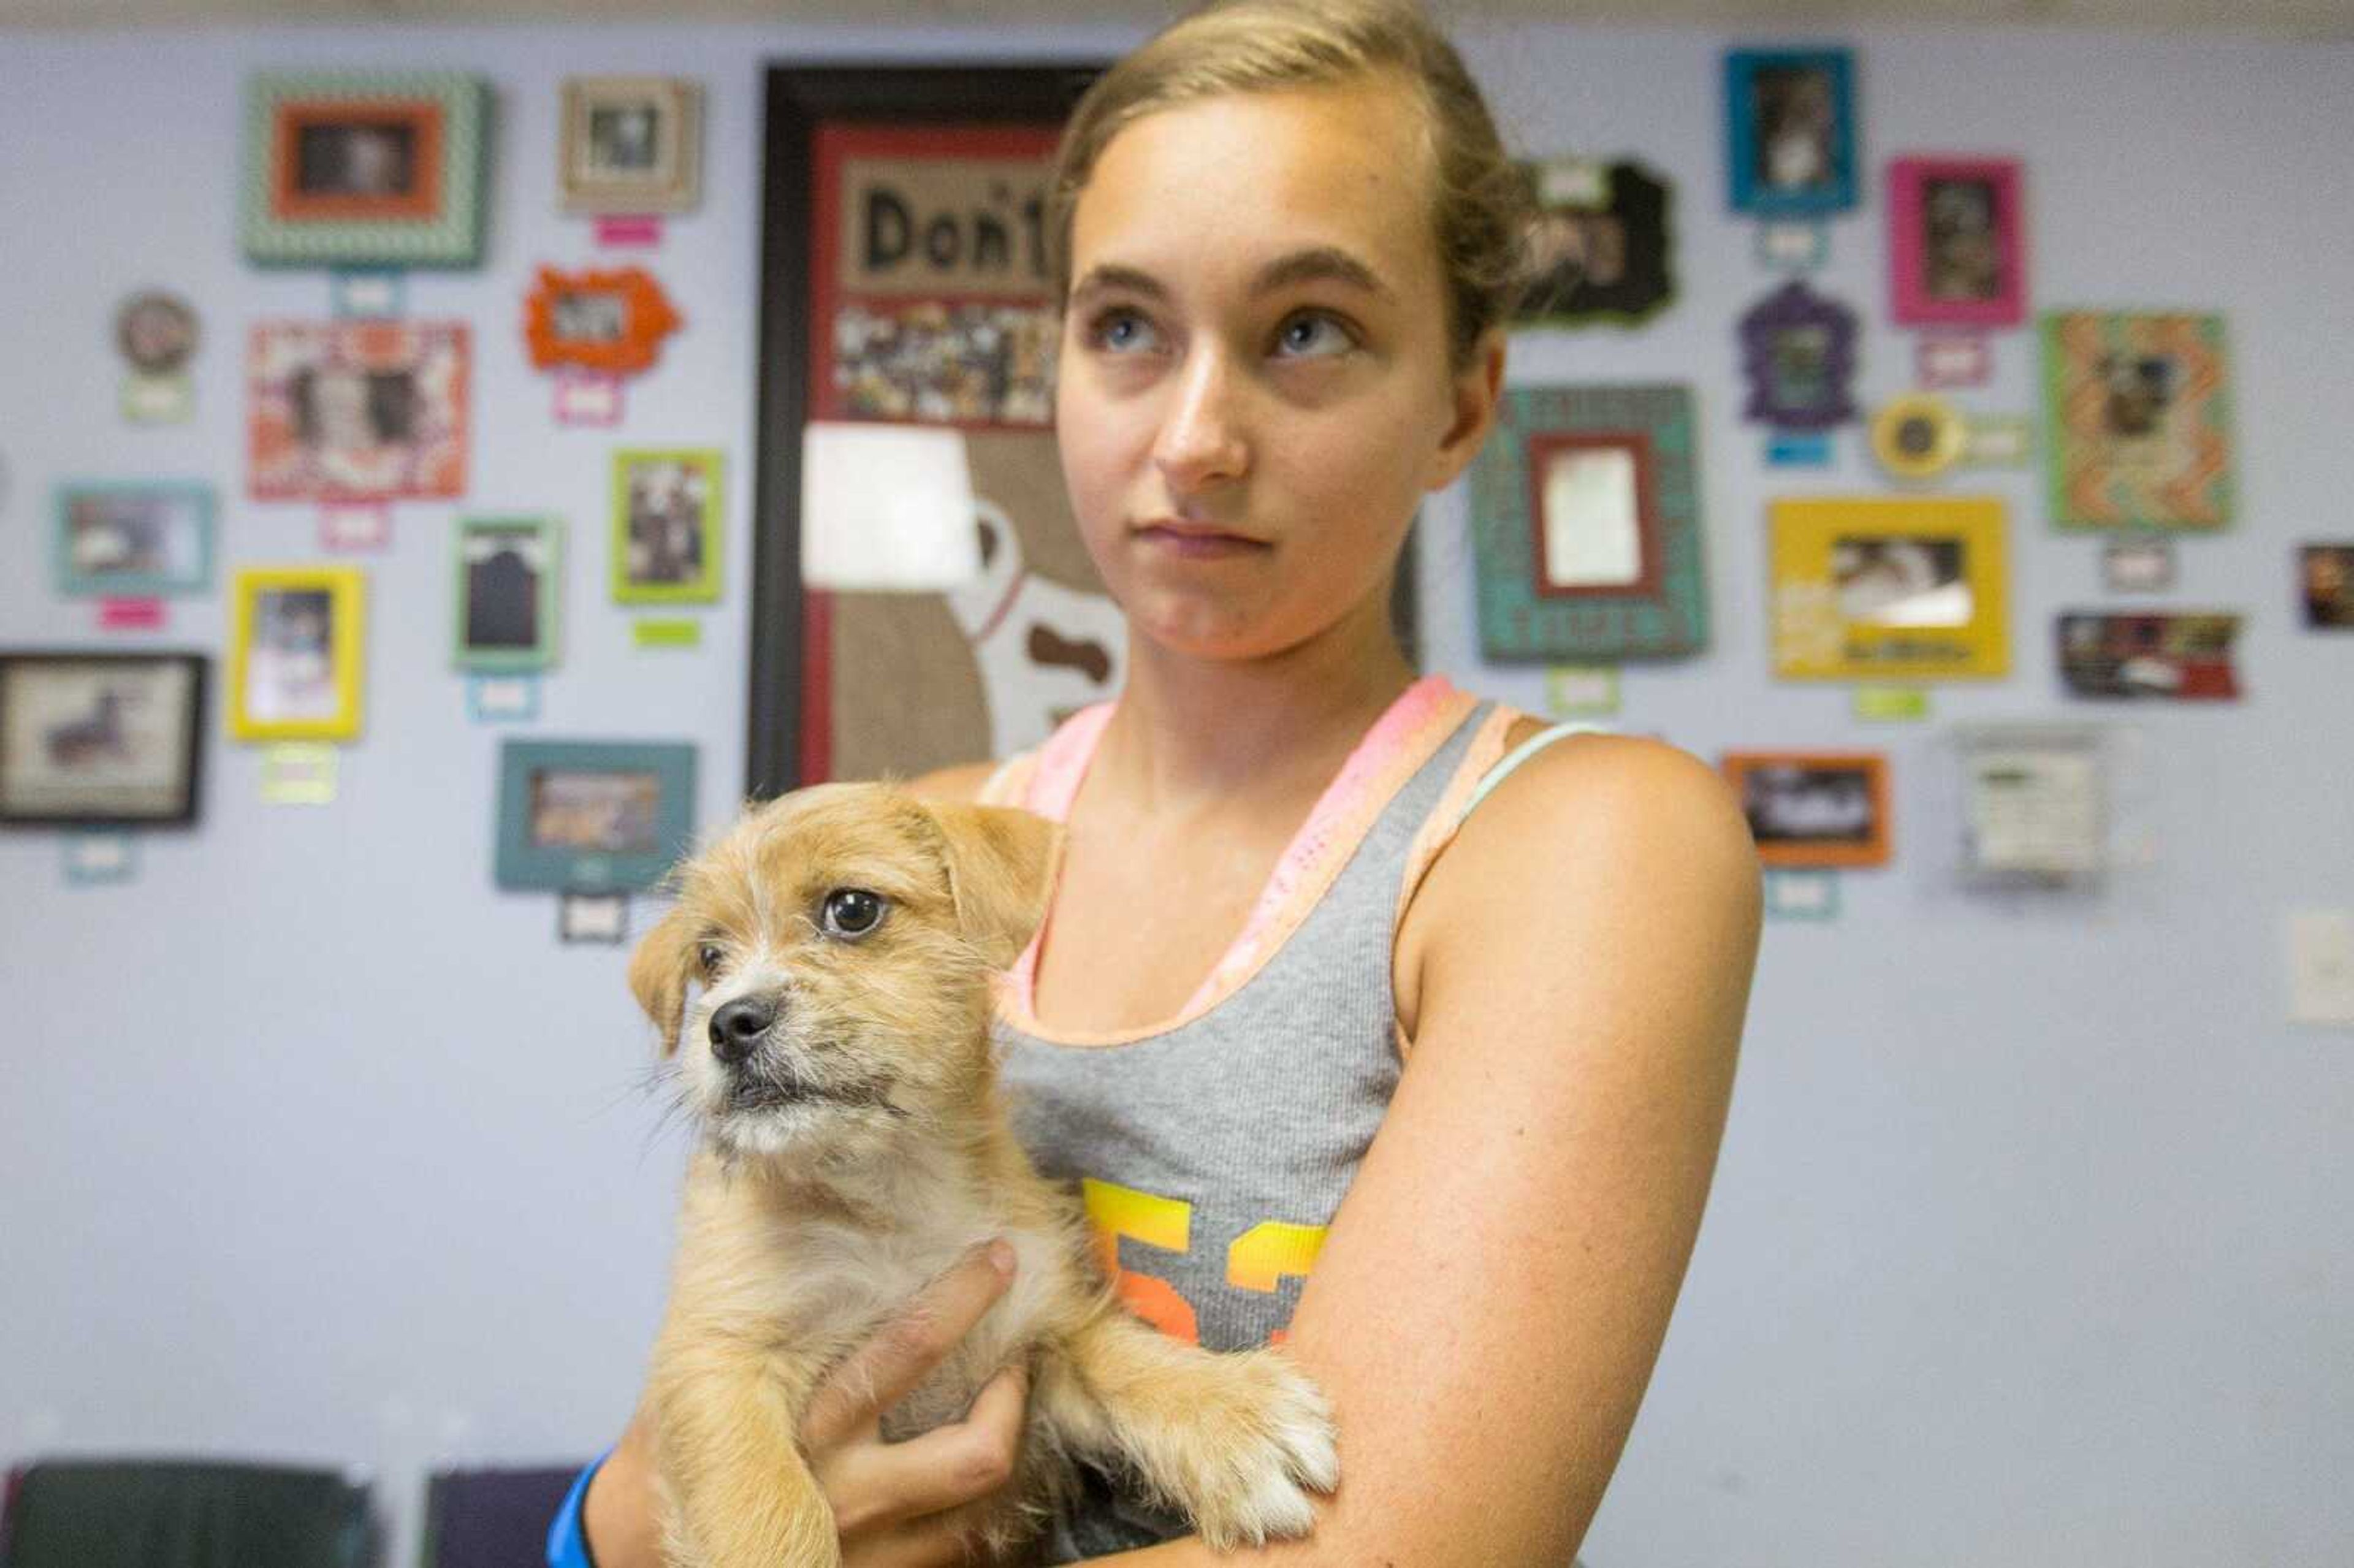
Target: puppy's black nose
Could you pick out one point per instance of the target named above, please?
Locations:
(737, 1028)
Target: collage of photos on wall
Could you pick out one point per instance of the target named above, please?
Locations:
(931, 341)
(374, 183)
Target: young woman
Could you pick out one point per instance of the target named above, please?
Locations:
(1430, 1093)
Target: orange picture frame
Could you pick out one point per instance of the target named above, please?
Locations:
(612, 321)
(419, 197)
(1822, 809)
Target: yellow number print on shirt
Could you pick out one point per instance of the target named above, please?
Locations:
(1259, 1259)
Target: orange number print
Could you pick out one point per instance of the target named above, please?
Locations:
(1114, 1211)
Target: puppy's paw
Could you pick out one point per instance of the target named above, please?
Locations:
(1249, 1439)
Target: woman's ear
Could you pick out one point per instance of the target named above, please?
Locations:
(658, 971)
(1001, 868)
(1478, 388)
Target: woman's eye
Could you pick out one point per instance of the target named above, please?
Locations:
(851, 912)
(709, 956)
(1312, 336)
(1121, 332)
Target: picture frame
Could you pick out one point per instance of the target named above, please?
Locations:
(1585, 526)
(1600, 244)
(1792, 146)
(93, 739)
(859, 322)
(358, 410)
(133, 538)
(1815, 809)
(668, 512)
(157, 332)
(1880, 588)
(610, 321)
(2325, 575)
(630, 145)
(1918, 437)
(1798, 351)
(2144, 655)
(509, 593)
(296, 652)
(1956, 242)
(592, 816)
(365, 168)
(2139, 420)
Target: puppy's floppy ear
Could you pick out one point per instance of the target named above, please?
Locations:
(1001, 867)
(658, 971)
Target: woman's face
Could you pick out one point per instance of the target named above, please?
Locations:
(1254, 391)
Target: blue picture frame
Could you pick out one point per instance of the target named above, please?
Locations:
(1804, 164)
(184, 562)
(610, 837)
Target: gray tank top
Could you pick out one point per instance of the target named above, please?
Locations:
(1213, 1152)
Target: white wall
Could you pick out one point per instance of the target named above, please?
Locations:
(2030, 1244)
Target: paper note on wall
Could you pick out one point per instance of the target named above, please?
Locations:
(887, 509)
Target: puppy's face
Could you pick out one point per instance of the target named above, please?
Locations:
(838, 945)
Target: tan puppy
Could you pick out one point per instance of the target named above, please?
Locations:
(846, 938)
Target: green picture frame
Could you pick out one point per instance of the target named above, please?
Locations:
(507, 606)
(1586, 526)
(668, 539)
(593, 816)
(133, 538)
(365, 168)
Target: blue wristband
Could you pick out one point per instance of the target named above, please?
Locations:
(567, 1545)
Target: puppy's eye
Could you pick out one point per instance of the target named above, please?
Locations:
(709, 958)
(852, 912)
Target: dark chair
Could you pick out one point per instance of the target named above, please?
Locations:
(172, 1513)
(493, 1519)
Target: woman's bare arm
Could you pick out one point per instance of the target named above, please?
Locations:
(1494, 1292)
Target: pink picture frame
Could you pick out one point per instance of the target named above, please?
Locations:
(1956, 242)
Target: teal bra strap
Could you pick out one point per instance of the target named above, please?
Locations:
(1523, 752)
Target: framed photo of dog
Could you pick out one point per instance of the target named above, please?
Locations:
(101, 739)
(1814, 809)
(296, 655)
(597, 817)
(1873, 587)
(365, 168)
(2139, 428)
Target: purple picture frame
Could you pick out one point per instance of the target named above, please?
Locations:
(1797, 350)
(1973, 272)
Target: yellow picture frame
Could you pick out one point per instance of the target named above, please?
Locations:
(295, 653)
(1884, 587)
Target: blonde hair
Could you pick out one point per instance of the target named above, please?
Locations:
(1480, 206)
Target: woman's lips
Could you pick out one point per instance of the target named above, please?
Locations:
(1190, 543)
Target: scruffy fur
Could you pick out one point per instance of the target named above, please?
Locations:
(858, 1148)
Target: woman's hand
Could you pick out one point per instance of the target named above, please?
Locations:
(897, 1505)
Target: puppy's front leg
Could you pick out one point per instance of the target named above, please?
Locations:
(738, 1491)
(1236, 1440)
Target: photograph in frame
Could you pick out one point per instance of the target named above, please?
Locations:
(358, 411)
(1587, 528)
(1600, 244)
(2325, 575)
(608, 320)
(1819, 809)
(1956, 242)
(296, 655)
(133, 538)
(1791, 140)
(364, 169)
(1890, 588)
(1799, 355)
(631, 145)
(2174, 656)
(2138, 417)
(593, 816)
(509, 586)
(666, 526)
(101, 739)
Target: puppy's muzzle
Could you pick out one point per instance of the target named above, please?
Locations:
(738, 1029)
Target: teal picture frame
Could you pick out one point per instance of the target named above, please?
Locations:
(1804, 97)
(628, 817)
(415, 200)
(181, 545)
(1657, 608)
(489, 595)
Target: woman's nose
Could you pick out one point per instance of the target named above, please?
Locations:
(1202, 441)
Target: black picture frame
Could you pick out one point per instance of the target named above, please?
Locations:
(187, 790)
(797, 101)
